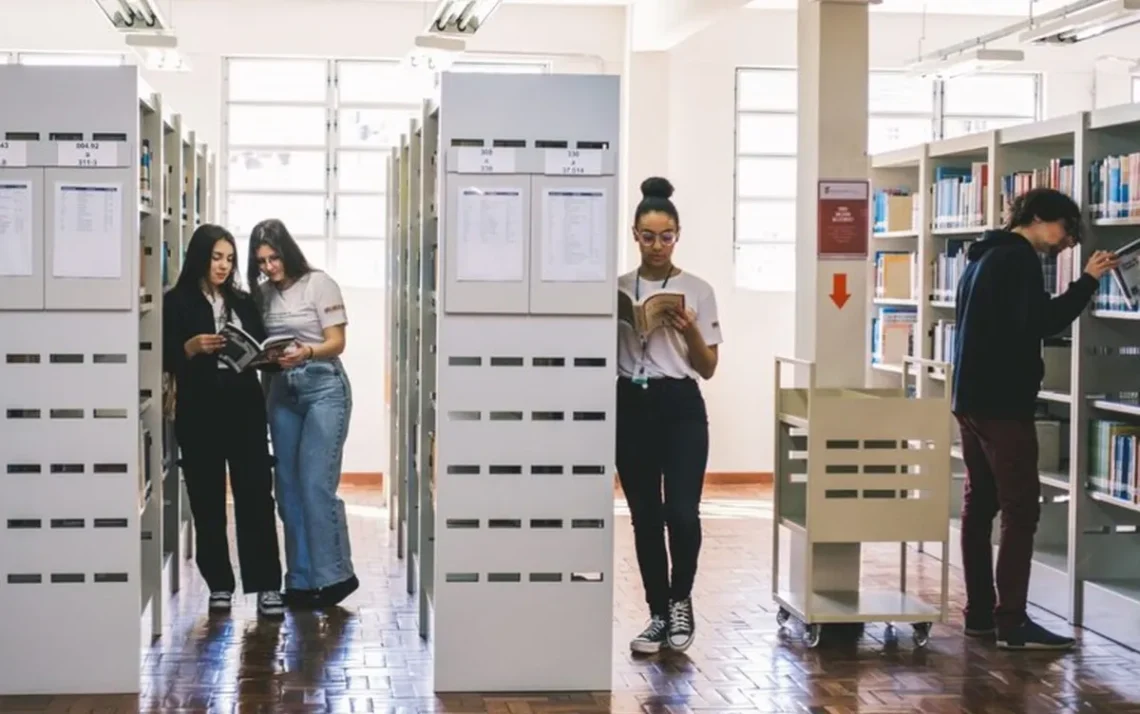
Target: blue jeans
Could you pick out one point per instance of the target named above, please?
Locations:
(309, 409)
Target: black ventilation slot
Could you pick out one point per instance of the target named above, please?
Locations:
(67, 468)
(109, 413)
(109, 468)
(110, 523)
(588, 470)
(546, 523)
(25, 578)
(504, 523)
(594, 145)
(463, 470)
(24, 524)
(545, 470)
(506, 416)
(548, 416)
(546, 577)
(24, 468)
(22, 135)
(68, 523)
(23, 413)
(504, 577)
(464, 361)
(549, 362)
(504, 470)
(466, 142)
(461, 577)
(589, 416)
(66, 413)
(65, 359)
(68, 578)
(588, 523)
(22, 358)
(509, 143)
(507, 362)
(108, 136)
(551, 144)
(109, 359)
(589, 361)
(65, 136)
(462, 523)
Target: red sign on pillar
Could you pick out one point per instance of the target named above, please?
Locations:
(844, 219)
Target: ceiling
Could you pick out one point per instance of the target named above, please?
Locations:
(1006, 8)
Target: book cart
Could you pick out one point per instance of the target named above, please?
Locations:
(856, 466)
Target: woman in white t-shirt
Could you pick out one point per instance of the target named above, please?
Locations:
(662, 425)
(310, 402)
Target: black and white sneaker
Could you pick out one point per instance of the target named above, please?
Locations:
(681, 627)
(1031, 636)
(652, 638)
(979, 627)
(221, 601)
(270, 604)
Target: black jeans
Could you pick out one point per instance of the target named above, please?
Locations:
(224, 423)
(663, 436)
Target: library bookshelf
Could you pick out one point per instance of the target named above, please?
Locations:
(930, 202)
(92, 501)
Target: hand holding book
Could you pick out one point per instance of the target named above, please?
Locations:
(1101, 262)
(204, 344)
(240, 350)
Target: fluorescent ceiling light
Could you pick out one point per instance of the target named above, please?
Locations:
(158, 52)
(1085, 23)
(971, 61)
(462, 17)
(133, 15)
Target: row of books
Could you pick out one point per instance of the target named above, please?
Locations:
(942, 341)
(948, 267)
(892, 334)
(1059, 174)
(1113, 190)
(896, 275)
(1112, 459)
(960, 196)
(893, 210)
(146, 182)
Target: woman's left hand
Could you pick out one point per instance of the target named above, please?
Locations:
(295, 357)
(684, 322)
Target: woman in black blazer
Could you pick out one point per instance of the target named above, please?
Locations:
(219, 420)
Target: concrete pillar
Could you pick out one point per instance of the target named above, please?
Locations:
(831, 292)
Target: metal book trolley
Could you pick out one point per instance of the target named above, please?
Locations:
(856, 466)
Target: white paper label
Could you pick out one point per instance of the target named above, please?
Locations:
(486, 160)
(13, 154)
(573, 162)
(88, 154)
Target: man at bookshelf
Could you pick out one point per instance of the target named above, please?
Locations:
(1003, 315)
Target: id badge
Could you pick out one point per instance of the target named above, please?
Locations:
(641, 379)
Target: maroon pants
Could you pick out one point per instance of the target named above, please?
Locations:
(1001, 475)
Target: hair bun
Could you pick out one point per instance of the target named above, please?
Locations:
(657, 187)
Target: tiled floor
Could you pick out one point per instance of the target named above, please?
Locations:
(369, 658)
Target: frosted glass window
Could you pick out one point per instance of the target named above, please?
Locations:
(889, 133)
(767, 90)
(362, 263)
(303, 215)
(365, 171)
(373, 128)
(376, 83)
(766, 178)
(361, 216)
(277, 80)
(767, 134)
(760, 221)
(899, 93)
(960, 126)
(766, 267)
(277, 126)
(267, 170)
(994, 95)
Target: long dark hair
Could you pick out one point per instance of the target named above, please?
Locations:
(196, 265)
(273, 233)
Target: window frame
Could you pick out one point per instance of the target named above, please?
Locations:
(937, 116)
(1135, 89)
(332, 148)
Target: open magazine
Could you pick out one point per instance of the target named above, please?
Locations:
(1127, 272)
(649, 313)
(242, 351)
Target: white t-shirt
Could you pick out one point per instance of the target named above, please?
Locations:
(665, 353)
(305, 308)
(219, 305)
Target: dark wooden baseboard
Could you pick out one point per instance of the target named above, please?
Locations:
(718, 478)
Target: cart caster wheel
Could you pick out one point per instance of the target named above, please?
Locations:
(782, 617)
(812, 636)
(921, 633)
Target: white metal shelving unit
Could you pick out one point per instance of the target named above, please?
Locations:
(91, 505)
(856, 466)
(1085, 565)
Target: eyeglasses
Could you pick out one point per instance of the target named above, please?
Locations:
(268, 260)
(649, 237)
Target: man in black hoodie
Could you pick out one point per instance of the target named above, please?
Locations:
(1003, 314)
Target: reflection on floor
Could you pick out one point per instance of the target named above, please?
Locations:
(369, 658)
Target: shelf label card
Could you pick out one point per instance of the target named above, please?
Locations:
(573, 162)
(89, 154)
(485, 160)
(13, 154)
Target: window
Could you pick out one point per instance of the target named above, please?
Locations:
(1135, 90)
(765, 178)
(307, 141)
(983, 102)
(902, 111)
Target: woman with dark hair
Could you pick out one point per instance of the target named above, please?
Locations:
(220, 420)
(662, 425)
(310, 402)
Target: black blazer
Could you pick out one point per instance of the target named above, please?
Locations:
(183, 317)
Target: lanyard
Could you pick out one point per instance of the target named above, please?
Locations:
(641, 378)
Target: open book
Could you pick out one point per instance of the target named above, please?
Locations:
(1127, 272)
(241, 351)
(649, 313)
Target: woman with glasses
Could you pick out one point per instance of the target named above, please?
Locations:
(662, 426)
(310, 402)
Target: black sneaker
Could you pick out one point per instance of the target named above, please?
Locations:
(681, 627)
(980, 627)
(334, 595)
(1031, 636)
(300, 599)
(652, 638)
(221, 601)
(269, 604)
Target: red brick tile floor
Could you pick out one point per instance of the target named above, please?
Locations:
(369, 658)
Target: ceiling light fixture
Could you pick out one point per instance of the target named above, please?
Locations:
(158, 52)
(968, 61)
(462, 17)
(133, 15)
(1083, 21)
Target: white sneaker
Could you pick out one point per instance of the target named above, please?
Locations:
(270, 604)
(221, 601)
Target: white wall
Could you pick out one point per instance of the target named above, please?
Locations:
(700, 91)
